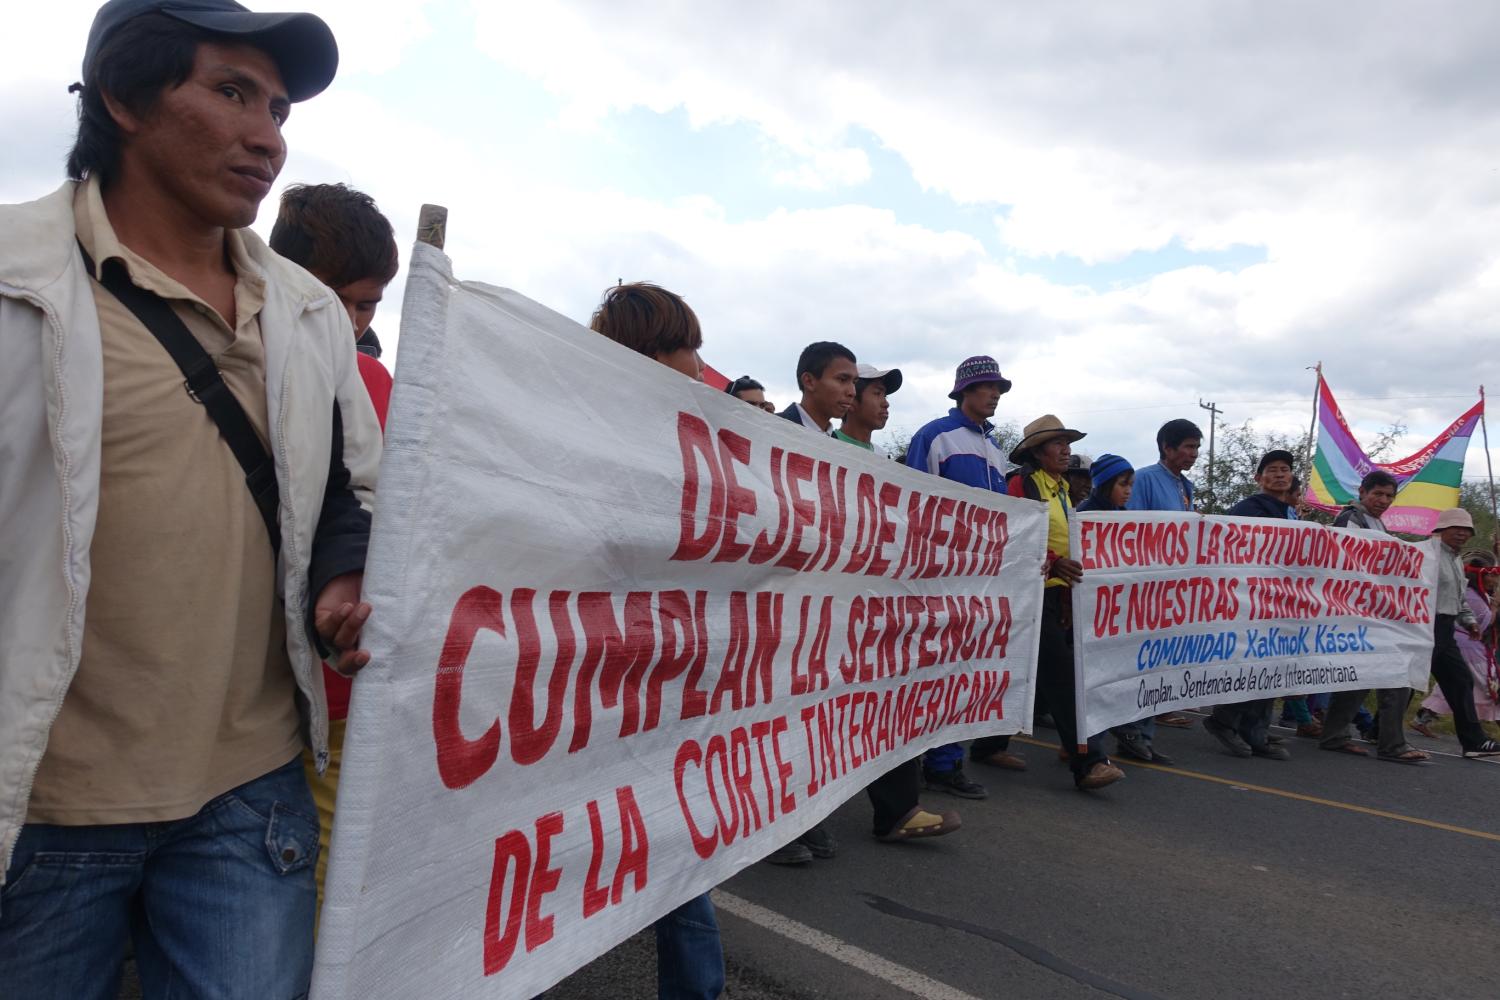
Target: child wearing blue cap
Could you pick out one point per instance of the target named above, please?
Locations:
(1113, 477)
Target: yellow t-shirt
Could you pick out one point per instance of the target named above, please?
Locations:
(1053, 491)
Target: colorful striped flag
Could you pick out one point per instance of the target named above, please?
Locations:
(1427, 482)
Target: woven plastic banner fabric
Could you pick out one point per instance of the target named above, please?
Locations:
(629, 636)
(1184, 611)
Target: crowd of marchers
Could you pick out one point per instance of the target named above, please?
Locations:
(192, 424)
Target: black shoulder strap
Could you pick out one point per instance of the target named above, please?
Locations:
(205, 384)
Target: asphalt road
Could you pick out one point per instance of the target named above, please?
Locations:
(1325, 876)
(1219, 878)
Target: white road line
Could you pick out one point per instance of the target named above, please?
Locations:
(898, 976)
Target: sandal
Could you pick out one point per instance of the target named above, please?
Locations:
(1351, 748)
(1408, 755)
(921, 823)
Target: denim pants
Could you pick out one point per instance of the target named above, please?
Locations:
(689, 956)
(1250, 719)
(218, 905)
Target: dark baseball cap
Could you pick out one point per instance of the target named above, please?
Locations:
(301, 44)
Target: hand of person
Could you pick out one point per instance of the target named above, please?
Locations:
(339, 615)
(1473, 631)
(1069, 571)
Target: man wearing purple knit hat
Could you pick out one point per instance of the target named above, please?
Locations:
(959, 447)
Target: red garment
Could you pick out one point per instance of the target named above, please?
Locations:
(378, 384)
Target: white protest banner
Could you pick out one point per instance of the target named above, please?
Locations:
(630, 635)
(1181, 611)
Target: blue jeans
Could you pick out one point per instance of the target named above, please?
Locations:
(689, 957)
(219, 905)
(1143, 728)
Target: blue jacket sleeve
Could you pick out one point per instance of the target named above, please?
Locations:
(1143, 494)
(918, 450)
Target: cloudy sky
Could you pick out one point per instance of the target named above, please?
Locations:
(1133, 206)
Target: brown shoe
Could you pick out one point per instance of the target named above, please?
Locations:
(1101, 774)
(1176, 720)
(1312, 730)
(921, 823)
(1004, 760)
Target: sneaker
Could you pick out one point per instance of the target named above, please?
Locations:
(1131, 745)
(954, 782)
(1272, 751)
(1157, 757)
(789, 854)
(1101, 774)
(1489, 748)
(819, 841)
(1228, 737)
(1004, 760)
(921, 823)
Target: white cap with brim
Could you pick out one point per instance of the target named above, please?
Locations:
(890, 376)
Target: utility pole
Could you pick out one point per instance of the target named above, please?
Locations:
(1213, 415)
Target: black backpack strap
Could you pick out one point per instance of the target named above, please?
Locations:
(205, 384)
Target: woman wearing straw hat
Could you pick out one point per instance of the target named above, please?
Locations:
(1452, 532)
(1043, 456)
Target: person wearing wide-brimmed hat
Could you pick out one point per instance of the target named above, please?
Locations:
(960, 447)
(1451, 611)
(1042, 454)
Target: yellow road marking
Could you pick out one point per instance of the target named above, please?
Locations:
(1283, 793)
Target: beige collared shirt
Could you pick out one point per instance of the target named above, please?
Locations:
(184, 689)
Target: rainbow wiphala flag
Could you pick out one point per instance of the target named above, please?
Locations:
(1428, 480)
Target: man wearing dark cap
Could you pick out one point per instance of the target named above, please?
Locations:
(1244, 728)
(187, 462)
(960, 447)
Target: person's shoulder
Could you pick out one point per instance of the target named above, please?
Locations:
(37, 238)
(936, 426)
(790, 413)
(287, 277)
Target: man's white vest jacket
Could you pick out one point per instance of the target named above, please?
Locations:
(51, 398)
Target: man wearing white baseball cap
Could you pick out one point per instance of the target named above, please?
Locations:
(870, 410)
(1452, 531)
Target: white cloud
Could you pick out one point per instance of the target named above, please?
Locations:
(1354, 147)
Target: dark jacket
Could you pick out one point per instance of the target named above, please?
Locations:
(1097, 501)
(793, 414)
(1263, 505)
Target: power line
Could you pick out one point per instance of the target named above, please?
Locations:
(1291, 401)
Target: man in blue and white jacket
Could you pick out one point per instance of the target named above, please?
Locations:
(960, 447)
